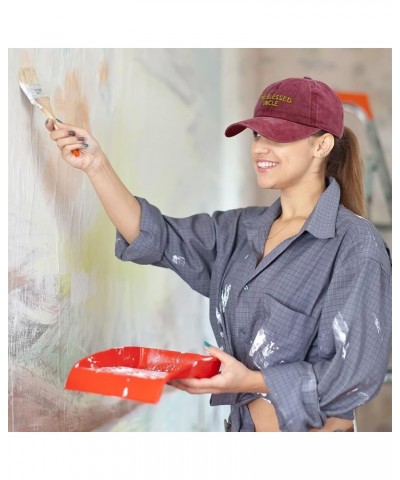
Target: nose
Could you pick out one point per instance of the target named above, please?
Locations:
(261, 145)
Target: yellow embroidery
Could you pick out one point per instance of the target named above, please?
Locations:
(271, 100)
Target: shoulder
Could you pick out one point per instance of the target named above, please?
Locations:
(238, 214)
(360, 239)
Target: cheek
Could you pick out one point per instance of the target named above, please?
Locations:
(299, 161)
(253, 151)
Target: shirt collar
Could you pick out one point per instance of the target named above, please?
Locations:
(321, 223)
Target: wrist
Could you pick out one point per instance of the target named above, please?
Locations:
(98, 164)
(256, 382)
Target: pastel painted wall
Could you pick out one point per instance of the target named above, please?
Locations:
(160, 115)
(69, 295)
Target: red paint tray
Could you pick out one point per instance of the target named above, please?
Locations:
(137, 373)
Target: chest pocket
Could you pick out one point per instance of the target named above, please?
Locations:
(282, 335)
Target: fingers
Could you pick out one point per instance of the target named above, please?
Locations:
(216, 352)
(72, 147)
(54, 124)
(68, 137)
(61, 130)
(195, 386)
(49, 124)
(71, 142)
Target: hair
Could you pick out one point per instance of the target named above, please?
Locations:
(345, 165)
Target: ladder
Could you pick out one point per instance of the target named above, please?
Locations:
(375, 164)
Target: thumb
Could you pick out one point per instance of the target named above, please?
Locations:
(59, 124)
(49, 124)
(216, 352)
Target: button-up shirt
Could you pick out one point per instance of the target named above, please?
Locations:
(313, 315)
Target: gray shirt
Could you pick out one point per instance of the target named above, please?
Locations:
(314, 315)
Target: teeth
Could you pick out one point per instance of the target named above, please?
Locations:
(266, 164)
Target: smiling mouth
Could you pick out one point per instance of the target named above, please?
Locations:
(266, 165)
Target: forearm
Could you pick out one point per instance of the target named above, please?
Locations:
(121, 206)
(256, 383)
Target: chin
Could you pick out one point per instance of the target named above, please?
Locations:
(264, 183)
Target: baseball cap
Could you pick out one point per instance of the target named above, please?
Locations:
(293, 109)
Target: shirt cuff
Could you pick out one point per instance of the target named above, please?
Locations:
(292, 390)
(149, 246)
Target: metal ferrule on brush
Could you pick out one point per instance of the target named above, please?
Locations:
(33, 92)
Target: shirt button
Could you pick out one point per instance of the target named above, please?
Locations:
(242, 331)
(246, 287)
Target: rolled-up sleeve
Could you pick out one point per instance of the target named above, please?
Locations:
(354, 344)
(184, 245)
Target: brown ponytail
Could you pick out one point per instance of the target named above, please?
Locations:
(345, 164)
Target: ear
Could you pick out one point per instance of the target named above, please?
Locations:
(323, 145)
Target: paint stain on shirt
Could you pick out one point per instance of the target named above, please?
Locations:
(258, 342)
(377, 324)
(340, 331)
(268, 349)
(225, 296)
(178, 260)
(266, 352)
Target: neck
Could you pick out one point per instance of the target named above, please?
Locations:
(300, 200)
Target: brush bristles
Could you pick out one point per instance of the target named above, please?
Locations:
(29, 83)
(28, 76)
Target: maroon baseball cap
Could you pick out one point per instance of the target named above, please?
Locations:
(293, 109)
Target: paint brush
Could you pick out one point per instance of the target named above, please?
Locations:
(30, 85)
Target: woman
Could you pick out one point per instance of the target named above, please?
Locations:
(300, 292)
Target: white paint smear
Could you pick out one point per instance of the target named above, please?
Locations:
(265, 399)
(364, 396)
(258, 342)
(268, 349)
(134, 372)
(377, 324)
(178, 260)
(340, 331)
(352, 391)
(225, 296)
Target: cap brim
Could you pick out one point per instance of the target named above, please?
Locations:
(276, 129)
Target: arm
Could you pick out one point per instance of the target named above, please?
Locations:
(354, 342)
(121, 206)
(186, 246)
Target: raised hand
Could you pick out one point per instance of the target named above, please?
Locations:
(70, 138)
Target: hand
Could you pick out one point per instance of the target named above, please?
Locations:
(234, 377)
(69, 138)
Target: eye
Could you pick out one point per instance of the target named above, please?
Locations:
(256, 134)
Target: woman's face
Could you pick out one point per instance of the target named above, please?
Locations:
(284, 165)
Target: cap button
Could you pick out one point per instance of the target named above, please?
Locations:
(308, 78)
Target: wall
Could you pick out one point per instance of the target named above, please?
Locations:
(69, 296)
(160, 116)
